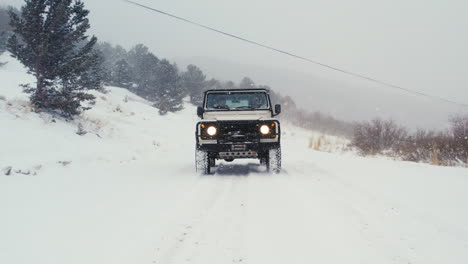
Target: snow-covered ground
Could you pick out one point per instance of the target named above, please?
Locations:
(126, 192)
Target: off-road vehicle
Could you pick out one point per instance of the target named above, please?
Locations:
(237, 124)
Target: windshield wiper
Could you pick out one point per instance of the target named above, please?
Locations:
(221, 107)
(245, 107)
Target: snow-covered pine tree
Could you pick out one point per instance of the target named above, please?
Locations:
(4, 30)
(144, 67)
(213, 84)
(111, 55)
(2, 45)
(146, 77)
(229, 85)
(122, 74)
(92, 78)
(169, 90)
(137, 54)
(5, 19)
(193, 82)
(3, 39)
(50, 40)
(246, 83)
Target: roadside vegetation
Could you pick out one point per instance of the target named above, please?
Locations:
(385, 137)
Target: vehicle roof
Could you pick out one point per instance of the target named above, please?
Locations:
(238, 90)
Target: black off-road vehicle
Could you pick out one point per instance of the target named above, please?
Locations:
(237, 124)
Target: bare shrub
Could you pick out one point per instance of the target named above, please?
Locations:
(377, 136)
(459, 131)
(418, 146)
(446, 148)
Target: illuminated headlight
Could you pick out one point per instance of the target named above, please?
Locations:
(264, 130)
(211, 131)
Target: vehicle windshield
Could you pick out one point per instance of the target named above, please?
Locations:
(237, 101)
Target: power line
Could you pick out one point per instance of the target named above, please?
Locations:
(371, 79)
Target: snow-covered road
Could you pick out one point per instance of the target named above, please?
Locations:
(323, 208)
(311, 213)
(126, 193)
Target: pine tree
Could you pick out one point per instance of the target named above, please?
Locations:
(146, 77)
(50, 41)
(213, 84)
(111, 55)
(137, 55)
(3, 39)
(122, 74)
(247, 83)
(169, 93)
(144, 65)
(193, 82)
(229, 85)
(2, 45)
(4, 30)
(5, 19)
(91, 79)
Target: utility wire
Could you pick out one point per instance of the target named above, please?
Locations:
(301, 57)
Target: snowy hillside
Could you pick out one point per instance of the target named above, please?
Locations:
(125, 191)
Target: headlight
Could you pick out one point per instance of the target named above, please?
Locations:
(211, 131)
(264, 129)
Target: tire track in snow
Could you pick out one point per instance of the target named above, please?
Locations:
(211, 228)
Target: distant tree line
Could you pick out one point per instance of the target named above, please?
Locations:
(144, 74)
(158, 80)
(161, 82)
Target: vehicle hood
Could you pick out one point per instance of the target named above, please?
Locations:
(237, 115)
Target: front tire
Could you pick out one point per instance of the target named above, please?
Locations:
(273, 161)
(202, 162)
(212, 162)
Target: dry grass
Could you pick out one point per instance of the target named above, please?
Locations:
(326, 143)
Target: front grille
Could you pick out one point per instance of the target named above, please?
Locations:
(232, 132)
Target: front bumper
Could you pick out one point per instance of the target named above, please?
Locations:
(238, 150)
(239, 147)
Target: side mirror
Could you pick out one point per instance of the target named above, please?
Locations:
(277, 109)
(200, 111)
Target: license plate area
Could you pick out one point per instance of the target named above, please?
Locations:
(238, 147)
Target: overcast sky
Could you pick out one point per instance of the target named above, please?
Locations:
(419, 44)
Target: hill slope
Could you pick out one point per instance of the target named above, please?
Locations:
(126, 192)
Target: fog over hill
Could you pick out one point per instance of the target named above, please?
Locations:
(351, 100)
